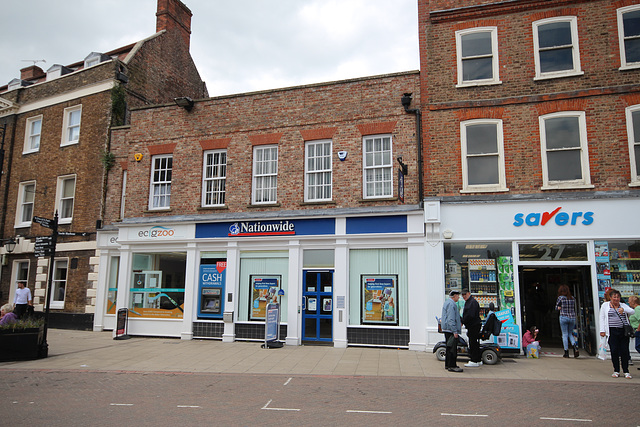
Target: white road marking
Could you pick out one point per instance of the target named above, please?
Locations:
(463, 415)
(188, 406)
(566, 419)
(121, 404)
(370, 412)
(277, 409)
(288, 381)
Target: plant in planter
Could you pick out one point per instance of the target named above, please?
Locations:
(21, 340)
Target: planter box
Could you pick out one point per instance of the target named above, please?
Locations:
(20, 344)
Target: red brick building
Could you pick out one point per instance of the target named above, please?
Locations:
(56, 133)
(532, 130)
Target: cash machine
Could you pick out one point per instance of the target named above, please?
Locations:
(211, 294)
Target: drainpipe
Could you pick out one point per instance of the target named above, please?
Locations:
(406, 101)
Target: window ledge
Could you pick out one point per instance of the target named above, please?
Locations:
(30, 152)
(627, 67)
(263, 205)
(484, 190)
(213, 208)
(66, 144)
(157, 210)
(479, 83)
(567, 187)
(634, 184)
(320, 202)
(22, 225)
(558, 75)
(379, 199)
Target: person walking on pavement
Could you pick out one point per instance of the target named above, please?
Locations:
(634, 319)
(22, 300)
(451, 325)
(567, 306)
(471, 320)
(613, 317)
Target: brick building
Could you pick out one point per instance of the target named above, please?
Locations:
(56, 133)
(532, 130)
(213, 208)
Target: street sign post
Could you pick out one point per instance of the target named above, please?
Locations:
(45, 222)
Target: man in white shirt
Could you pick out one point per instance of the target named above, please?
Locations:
(22, 300)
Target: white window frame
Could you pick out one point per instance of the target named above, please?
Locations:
(634, 140)
(264, 182)
(218, 195)
(495, 63)
(15, 279)
(384, 166)
(576, 70)
(22, 202)
(501, 184)
(624, 65)
(67, 125)
(29, 135)
(123, 195)
(61, 199)
(585, 182)
(160, 184)
(58, 304)
(319, 169)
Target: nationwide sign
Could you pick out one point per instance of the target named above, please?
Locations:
(259, 228)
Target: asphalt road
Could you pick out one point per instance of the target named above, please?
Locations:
(73, 398)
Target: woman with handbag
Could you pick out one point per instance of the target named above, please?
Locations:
(614, 324)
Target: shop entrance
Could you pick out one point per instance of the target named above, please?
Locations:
(317, 306)
(538, 295)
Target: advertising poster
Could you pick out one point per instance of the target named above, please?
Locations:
(510, 333)
(505, 281)
(603, 269)
(264, 290)
(212, 283)
(379, 296)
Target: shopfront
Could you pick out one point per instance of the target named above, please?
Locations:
(341, 280)
(516, 255)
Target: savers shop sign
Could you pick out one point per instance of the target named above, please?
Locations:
(556, 216)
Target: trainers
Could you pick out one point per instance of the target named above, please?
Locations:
(615, 374)
(472, 365)
(627, 375)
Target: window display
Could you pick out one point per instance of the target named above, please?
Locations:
(618, 266)
(264, 290)
(379, 293)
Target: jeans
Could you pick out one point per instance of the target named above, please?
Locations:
(567, 324)
(619, 346)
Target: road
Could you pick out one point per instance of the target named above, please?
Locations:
(74, 398)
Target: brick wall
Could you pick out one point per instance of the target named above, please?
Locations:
(602, 91)
(284, 116)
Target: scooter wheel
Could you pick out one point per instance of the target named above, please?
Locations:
(489, 357)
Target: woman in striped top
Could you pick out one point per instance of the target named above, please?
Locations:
(613, 317)
(567, 306)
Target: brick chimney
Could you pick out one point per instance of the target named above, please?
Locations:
(31, 72)
(173, 15)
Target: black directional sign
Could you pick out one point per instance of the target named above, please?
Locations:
(71, 233)
(45, 222)
(43, 246)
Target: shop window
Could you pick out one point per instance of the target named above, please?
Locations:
(59, 283)
(565, 157)
(273, 266)
(65, 198)
(486, 269)
(33, 134)
(112, 287)
(71, 125)
(618, 267)
(265, 175)
(378, 176)
(482, 156)
(629, 36)
(214, 178)
(318, 171)
(633, 132)
(477, 53)
(556, 51)
(20, 274)
(161, 171)
(26, 198)
(157, 288)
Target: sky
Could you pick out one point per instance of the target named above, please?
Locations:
(238, 45)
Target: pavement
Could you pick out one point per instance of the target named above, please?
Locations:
(71, 350)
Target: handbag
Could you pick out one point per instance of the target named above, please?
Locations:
(628, 331)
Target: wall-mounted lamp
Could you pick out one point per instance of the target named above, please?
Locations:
(403, 167)
(10, 245)
(184, 102)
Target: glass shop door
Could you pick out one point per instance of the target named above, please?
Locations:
(317, 306)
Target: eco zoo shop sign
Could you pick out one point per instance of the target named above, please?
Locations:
(560, 218)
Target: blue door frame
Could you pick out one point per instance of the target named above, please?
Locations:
(317, 305)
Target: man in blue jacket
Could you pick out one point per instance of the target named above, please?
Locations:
(451, 326)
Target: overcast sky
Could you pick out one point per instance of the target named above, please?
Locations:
(238, 45)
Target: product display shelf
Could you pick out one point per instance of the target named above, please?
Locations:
(625, 275)
(483, 283)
